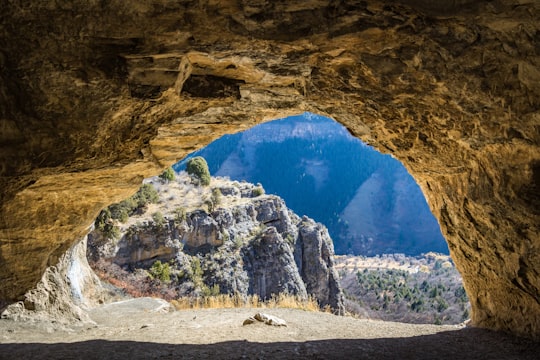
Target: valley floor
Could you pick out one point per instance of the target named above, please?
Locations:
(136, 329)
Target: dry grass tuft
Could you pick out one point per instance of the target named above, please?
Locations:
(253, 301)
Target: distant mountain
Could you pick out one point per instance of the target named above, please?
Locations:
(368, 201)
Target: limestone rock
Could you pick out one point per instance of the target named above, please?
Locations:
(314, 255)
(270, 319)
(250, 320)
(247, 246)
(64, 294)
(269, 261)
(203, 229)
(265, 318)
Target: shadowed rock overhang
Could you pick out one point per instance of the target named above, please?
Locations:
(96, 95)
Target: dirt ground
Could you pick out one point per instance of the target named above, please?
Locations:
(142, 329)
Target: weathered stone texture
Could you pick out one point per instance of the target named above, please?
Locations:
(315, 255)
(257, 247)
(97, 95)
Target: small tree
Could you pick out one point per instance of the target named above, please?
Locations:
(198, 167)
(167, 175)
(258, 191)
(214, 201)
(105, 224)
(158, 218)
(180, 214)
(161, 271)
(147, 194)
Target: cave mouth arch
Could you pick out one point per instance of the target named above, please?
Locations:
(321, 171)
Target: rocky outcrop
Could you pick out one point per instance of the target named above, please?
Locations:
(201, 229)
(248, 246)
(63, 294)
(314, 255)
(89, 108)
(269, 262)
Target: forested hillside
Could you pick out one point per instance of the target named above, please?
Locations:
(368, 201)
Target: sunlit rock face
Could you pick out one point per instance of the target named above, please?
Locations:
(97, 95)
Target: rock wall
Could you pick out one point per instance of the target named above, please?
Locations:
(314, 253)
(64, 292)
(97, 95)
(256, 247)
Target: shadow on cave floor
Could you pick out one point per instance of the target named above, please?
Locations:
(467, 343)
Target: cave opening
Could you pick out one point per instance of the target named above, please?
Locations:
(391, 259)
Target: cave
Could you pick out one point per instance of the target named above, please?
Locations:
(451, 90)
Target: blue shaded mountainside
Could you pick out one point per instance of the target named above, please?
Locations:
(368, 201)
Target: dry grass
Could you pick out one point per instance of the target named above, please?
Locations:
(253, 301)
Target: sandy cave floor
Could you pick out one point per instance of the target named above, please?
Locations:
(137, 330)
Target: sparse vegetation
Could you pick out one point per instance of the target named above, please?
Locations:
(216, 196)
(432, 295)
(214, 200)
(159, 219)
(147, 194)
(180, 214)
(225, 301)
(121, 211)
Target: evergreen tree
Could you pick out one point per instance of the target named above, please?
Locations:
(167, 175)
(198, 168)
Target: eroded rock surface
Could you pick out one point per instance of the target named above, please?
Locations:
(64, 293)
(248, 245)
(97, 95)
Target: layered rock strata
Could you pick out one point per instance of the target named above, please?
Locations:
(248, 246)
(97, 95)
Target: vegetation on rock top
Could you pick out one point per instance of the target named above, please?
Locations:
(223, 239)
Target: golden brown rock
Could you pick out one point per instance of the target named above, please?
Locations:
(97, 95)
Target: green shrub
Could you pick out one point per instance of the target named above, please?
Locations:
(214, 200)
(103, 218)
(258, 191)
(196, 272)
(104, 223)
(122, 210)
(442, 305)
(167, 175)
(289, 238)
(147, 194)
(158, 218)
(225, 235)
(216, 196)
(198, 168)
(210, 291)
(180, 214)
(238, 242)
(160, 271)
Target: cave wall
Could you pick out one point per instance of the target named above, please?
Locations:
(95, 96)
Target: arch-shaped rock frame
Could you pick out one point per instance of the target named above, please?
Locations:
(98, 95)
